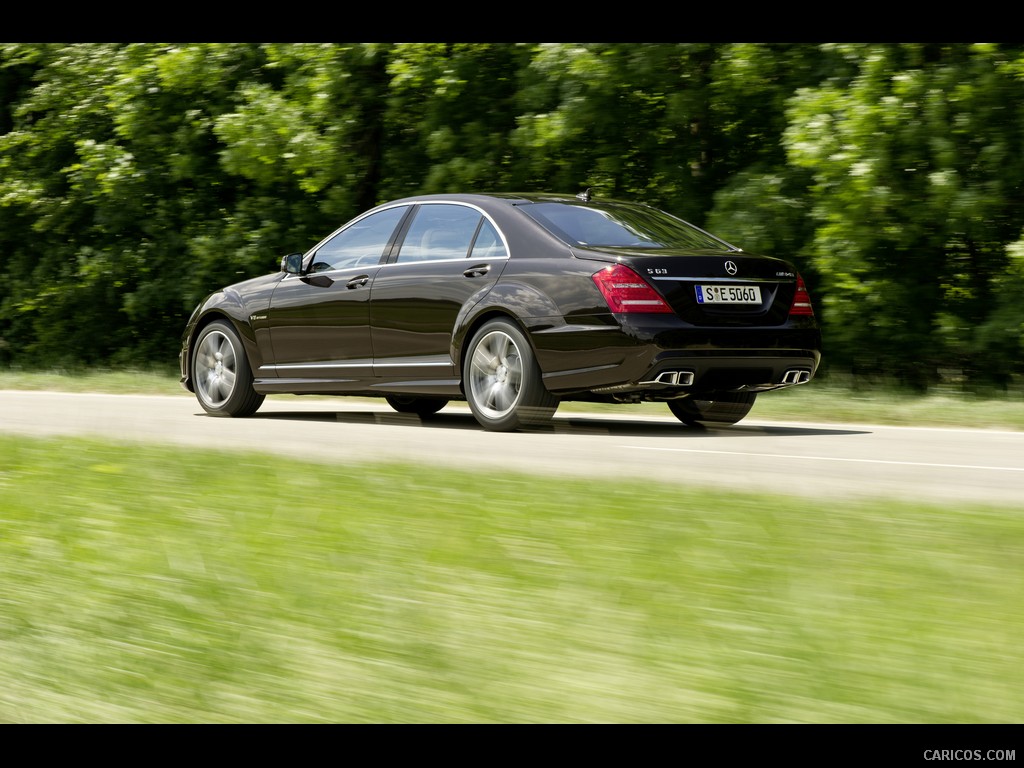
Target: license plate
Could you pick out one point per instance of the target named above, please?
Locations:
(728, 294)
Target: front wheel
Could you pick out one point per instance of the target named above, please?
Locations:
(502, 379)
(713, 407)
(221, 373)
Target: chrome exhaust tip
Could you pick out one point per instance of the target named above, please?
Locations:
(672, 378)
(796, 376)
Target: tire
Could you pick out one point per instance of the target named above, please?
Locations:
(221, 374)
(713, 407)
(502, 380)
(421, 406)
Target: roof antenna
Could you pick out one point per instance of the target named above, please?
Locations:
(585, 195)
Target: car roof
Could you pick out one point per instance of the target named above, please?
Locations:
(512, 198)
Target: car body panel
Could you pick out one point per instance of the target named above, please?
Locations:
(416, 306)
(321, 329)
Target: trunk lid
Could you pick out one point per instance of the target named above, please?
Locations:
(712, 287)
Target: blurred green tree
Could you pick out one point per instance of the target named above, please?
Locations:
(917, 165)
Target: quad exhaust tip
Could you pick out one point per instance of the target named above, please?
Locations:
(796, 376)
(685, 378)
(674, 378)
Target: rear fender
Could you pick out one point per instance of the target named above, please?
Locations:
(529, 307)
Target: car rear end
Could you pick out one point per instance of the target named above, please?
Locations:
(672, 310)
(710, 322)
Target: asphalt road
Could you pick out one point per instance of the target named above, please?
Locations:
(802, 459)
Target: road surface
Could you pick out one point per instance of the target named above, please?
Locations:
(801, 459)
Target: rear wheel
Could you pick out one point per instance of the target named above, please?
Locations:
(421, 406)
(713, 408)
(502, 379)
(221, 373)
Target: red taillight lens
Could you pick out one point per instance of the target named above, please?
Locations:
(626, 291)
(801, 300)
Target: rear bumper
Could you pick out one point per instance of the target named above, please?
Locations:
(755, 371)
(664, 363)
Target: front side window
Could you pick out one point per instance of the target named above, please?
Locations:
(361, 244)
(440, 232)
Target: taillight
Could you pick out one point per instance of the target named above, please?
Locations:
(801, 299)
(626, 291)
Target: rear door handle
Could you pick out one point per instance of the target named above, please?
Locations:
(478, 271)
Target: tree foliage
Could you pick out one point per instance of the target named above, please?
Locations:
(135, 178)
(917, 170)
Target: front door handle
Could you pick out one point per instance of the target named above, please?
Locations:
(358, 282)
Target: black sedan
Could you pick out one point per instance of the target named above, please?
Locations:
(512, 303)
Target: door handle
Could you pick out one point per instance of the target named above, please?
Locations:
(358, 282)
(478, 271)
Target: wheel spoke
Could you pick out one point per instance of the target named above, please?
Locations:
(225, 383)
(503, 396)
(484, 362)
(515, 371)
(499, 348)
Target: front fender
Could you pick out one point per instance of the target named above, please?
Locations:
(247, 316)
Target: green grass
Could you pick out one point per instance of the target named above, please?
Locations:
(135, 382)
(146, 584)
(837, 403)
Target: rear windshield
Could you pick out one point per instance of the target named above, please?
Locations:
(620, 226)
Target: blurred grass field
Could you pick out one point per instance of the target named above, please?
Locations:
(145, 584)
(155, 585)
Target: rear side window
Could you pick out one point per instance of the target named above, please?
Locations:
(488, 244)
(440, 232)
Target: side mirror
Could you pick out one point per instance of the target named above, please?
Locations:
(292, 264)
